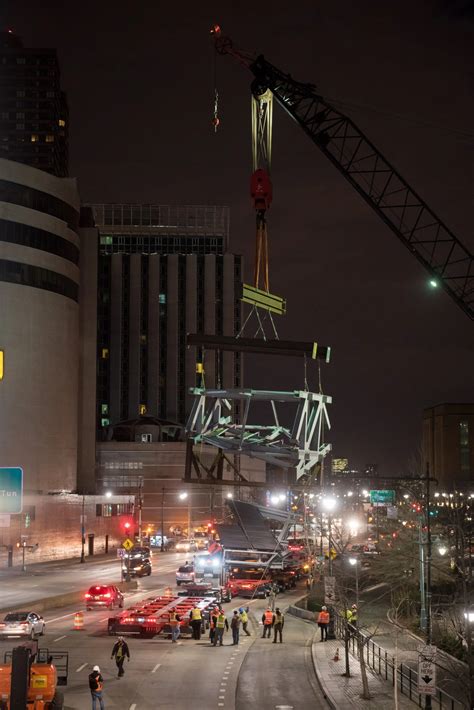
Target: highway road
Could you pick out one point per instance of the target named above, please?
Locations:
(189, 674)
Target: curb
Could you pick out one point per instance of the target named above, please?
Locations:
(319, 677)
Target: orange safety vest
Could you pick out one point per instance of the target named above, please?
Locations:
(323, 617)
(268, 618)
(173, 620)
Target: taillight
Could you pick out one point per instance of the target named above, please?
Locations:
(87, 595)
(2, 626)
(107, 596)
(23, 623)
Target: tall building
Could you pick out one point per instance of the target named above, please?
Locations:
(448, 444)
(33, 109)
(164, 271)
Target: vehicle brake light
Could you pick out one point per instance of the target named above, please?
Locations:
(87, 595)
(107, 596)
(23, 623)
(2, 626)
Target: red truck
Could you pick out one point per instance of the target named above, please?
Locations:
(152, 616)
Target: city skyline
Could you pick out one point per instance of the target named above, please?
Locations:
(398, 347)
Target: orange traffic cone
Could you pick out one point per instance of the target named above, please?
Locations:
(168, 592)
(79, 621)
(336, 655)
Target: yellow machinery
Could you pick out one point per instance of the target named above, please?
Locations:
(29, 679)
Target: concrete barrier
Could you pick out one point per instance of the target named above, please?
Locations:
(301, 613)
(67, 599)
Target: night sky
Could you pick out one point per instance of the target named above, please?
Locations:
(139, 79)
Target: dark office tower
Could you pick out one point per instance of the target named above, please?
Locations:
(164, 271)
(33, 109)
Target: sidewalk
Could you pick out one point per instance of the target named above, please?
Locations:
(345, 693)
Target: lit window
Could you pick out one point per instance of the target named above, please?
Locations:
(162, 298)
(34, 138)
(106, 239)
(105, 354)
(49, 139)
(104, 422)
(105, 409)
(142, 409)
(1, 364)
(62, 122)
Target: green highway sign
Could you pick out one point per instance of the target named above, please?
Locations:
(11, 490)
(383, 497)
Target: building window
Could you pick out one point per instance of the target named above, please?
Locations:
(62, 123)
(162, 298)
(20, 60)
(34, 138)
(104, 409)
(104, 422)
(146, 438)
(142, 409)
(105, 354)
(49, 139)
(464, 446)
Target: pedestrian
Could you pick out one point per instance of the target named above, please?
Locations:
(267, 620)
(221, 625)
(351, 616)
(244, 617)
(96, 684)
(175, 626)
(235, 626)
(278, 624)
(323, 622)
(214, 613)
(272, 596)
(119, 652)
(196, 622)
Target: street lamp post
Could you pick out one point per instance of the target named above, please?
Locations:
(83, 529)
(163, 519)
(354, 562)
(469, 619)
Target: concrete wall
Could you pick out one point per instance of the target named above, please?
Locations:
(54, 523)
(39, 335)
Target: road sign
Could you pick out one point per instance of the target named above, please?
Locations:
(382, 497)
(11, 490)
(329, 590)
(427, 670)
(120, 552)
(128, 544)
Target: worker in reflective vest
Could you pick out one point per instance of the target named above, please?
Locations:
(278, 624)
(245, 620)
(212, 623)
(174, 623)
(196, 622)
(221, 624)
(323, 622)
(267, 620)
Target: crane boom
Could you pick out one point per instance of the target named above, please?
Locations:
(435, 246)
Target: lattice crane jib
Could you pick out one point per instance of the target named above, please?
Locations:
(447, 260)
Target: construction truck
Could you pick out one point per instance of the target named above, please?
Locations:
(29, 678)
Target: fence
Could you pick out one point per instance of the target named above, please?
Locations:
(380, 661)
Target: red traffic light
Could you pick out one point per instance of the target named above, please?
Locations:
(126, 525)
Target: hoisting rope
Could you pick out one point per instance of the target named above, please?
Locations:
(216, 119)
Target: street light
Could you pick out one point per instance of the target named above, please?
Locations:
(108, 494)
(230, 495)
(442, 550)
(183, 495)
(354, 562)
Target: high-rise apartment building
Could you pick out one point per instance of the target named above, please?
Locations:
(33, 109)
(164, 271)
(448, 444)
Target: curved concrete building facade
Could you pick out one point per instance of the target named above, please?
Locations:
(39, 326)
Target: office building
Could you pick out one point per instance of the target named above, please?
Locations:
(448, 445)
(164, 271)
(33, 109)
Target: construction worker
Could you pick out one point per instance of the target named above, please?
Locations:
(245, 620)
(351, 616)
(278, 624)
(196, 622)
(214, 613)
(119, 652)
(267, 621)
(96, 683)
(221, 625)
(323, 622)
(175, 626)
(235, 627)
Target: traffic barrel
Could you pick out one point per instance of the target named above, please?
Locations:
(168, 592)
(79, 620)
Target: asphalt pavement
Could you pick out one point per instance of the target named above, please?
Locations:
(189, 674)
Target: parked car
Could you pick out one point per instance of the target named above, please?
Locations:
(22, 623)
(104, 595)
(184, 574)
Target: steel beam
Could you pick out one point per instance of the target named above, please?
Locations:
(290, 348)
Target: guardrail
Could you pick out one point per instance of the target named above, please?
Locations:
(382, 663)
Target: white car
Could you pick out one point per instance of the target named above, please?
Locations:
(184, 574)
(22, 623)
(186, 546)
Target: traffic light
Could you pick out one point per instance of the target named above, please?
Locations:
(126, 526)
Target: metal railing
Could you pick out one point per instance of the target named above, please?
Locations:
(383, 664)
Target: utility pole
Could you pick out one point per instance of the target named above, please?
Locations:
(428, 571)
(140, 483)
(83, 528)
(163, 519)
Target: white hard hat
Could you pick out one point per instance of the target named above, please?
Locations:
(96, 668)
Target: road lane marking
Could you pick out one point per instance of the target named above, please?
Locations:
(156, 667)
(59, 638)
(220, 705)
(58, 618)
(81, 667)
(221, 697)
(132, 707)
